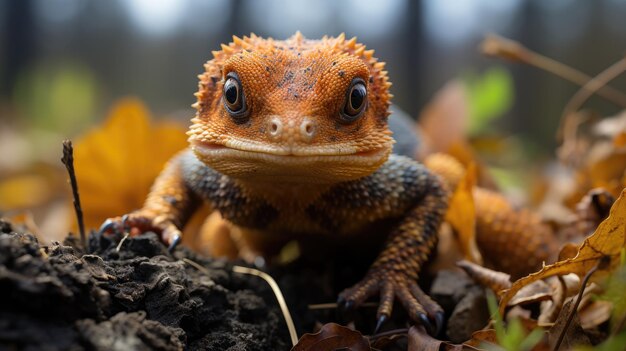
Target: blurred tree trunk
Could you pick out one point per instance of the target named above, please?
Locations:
(18, 42)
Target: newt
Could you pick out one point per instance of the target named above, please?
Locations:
(291, 139)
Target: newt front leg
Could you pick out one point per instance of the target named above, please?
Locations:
(166, 209)
(395, 271)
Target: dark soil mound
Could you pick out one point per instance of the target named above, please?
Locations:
(137, 298)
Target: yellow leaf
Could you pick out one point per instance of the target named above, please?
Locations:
(607, 241)
(462, 215)
(117, 162)
(24, 191)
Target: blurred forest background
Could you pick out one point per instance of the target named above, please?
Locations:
(63, 63)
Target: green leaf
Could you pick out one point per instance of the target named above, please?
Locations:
(490, 95)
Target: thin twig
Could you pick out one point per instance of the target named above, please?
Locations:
(68, 161)
(602, 262)
(495, 45)
(279, 297)
(591, 87)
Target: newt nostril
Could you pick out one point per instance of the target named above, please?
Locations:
(307, 129)
(276, 127)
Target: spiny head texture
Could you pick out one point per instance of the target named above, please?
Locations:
(298, 110)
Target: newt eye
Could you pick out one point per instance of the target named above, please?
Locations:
(234, 99)
(356, 101)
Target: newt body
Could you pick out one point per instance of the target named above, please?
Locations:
(291, 138)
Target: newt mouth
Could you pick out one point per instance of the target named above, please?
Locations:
(294, 157)
(254, 150)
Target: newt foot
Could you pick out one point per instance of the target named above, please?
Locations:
(390, 285)
(139, 222)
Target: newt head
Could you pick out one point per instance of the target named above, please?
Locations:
(296, 111)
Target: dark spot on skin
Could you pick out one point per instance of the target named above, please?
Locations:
(214, 80)
(334, 63)
(296, 95)
(170, 200)
(332, 138)
(267, 68)
(241, 57)
(288, 77)
(371, 79)
(342, 73)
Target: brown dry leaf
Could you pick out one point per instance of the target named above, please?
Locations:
(568, 250)
(419, 340)
(117, 162)
(494, 280)
(444, 120)
(595, 314)
(574, 336)
(333, 336)
(607, 241)
(480, 337)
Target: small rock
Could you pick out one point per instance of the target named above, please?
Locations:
(449, 287)
(469, 315)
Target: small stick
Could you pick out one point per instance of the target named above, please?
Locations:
(497, 46)
(68, 161)
(279, 297)
(592, 86)
(602, 262)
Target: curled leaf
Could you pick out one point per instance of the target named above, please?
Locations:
(496, 281)
(604, 245)
(333, 337)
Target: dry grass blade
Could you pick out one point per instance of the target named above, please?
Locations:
(591, 87)
(279, 298)
(497, 46)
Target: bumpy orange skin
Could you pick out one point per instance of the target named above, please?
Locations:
(293, 84)
(513, 241)
(292, 168)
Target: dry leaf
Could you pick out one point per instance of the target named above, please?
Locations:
(494, 280)
(117, 162)
(444, 120)
(595, 314)
(333, 337)
(462, 215)
(419, 340)
(24, 191)
(480, 337)
(574, 336)
(607, 241)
